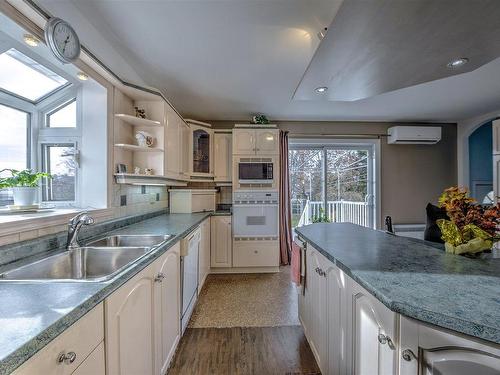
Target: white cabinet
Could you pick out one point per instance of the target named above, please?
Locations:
(223, 160)
(426, 350)
(255, 141)
(372, 339)
(321, 314)
(496, 177)
(75, 351)
(204, 258)
(221, 241)
(172, 144)
(142, 319)
(496, 137)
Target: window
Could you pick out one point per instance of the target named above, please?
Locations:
(63, 117)
(14, 144)
(60, 160)
(27, 78)
(332, 182)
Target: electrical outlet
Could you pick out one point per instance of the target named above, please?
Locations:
(157, 197)
(143, 189)
(123, 200)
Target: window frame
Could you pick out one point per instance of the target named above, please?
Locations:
(54, 141)
(46, 115)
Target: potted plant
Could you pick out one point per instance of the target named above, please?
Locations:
(24, 185)
(472, 228)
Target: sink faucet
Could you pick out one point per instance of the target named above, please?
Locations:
(74, 225)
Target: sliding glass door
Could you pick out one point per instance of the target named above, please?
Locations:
(332, 183)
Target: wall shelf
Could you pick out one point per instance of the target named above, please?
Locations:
(143, 179)
(137, 121)
(137, 148)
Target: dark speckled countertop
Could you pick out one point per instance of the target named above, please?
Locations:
(33, 314)
(414, 278)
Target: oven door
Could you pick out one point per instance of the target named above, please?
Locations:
(255, 220)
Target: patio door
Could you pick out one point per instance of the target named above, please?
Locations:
(333, 182)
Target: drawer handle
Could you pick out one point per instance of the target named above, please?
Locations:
(383, 339)
(67, 358)
(159, 278)
(408, 355)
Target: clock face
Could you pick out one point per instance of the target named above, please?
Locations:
(62, 40)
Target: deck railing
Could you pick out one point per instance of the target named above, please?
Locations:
(336, 211)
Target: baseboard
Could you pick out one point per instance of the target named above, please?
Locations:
(244, 270)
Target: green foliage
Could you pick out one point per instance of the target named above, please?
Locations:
(25, 178)
(321, 217)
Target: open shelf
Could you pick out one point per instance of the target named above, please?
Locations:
(144, 179)
(128, 147)
(136, 121)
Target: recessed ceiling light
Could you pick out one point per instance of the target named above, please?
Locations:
(82, 76)
(457, 63)
(321, 90)
(30, 40)
(322, 33)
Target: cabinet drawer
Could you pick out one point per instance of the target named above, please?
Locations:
(81, 338)
(255, 254)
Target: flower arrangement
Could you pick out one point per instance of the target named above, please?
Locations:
(472, 227)
(260, 119)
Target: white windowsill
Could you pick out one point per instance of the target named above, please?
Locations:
(11, 223)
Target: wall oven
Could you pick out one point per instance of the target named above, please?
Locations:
(253, 171)
(255, 214)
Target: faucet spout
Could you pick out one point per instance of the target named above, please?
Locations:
(74, 226)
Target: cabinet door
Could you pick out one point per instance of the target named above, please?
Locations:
(373, 328)
(172, 144)
(223, 157)
(204, 258)
(221, 241)
(267, 141)
(94, 364)
(167, 297)
(496, 137)
(130, 327)
(496, 177)
(244, 141)
(184, 150)
(201, 150)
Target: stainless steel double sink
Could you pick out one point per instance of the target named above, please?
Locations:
(99, 260)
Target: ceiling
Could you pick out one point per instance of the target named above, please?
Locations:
(230, 59)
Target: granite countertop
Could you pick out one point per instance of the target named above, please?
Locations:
(32, 314)
(416, 279)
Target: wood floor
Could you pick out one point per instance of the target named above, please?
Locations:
(244, 351)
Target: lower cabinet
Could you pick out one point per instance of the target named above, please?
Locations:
(142, 319)
(204, 258)
(372, 336)
(425, 350)
(221, 242)
(78, 350)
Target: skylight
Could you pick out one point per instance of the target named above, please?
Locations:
(25, 77)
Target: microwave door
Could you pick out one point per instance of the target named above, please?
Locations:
(255, 172)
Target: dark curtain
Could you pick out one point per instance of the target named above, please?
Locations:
(285, 211)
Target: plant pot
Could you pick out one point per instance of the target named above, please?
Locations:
(25, 196)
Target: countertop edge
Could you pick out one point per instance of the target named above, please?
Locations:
(27, 350)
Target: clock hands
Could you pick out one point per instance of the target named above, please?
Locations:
(65, 43)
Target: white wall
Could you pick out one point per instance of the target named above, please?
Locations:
(464, 129)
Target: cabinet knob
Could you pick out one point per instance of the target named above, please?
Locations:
(159, 278)
(383, 339)
(256, 251)
(408, 355)
(67, 358)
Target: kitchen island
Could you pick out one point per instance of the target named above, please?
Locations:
(404, 283)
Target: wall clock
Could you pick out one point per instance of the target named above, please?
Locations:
(62, 40)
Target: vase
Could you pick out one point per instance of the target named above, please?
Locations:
(24, 195)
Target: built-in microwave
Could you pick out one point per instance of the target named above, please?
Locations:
(255, 172)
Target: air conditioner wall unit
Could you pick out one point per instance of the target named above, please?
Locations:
(414, 135)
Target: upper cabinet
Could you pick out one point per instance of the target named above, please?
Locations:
(223, 145)
(201, 149)
(250, 141)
